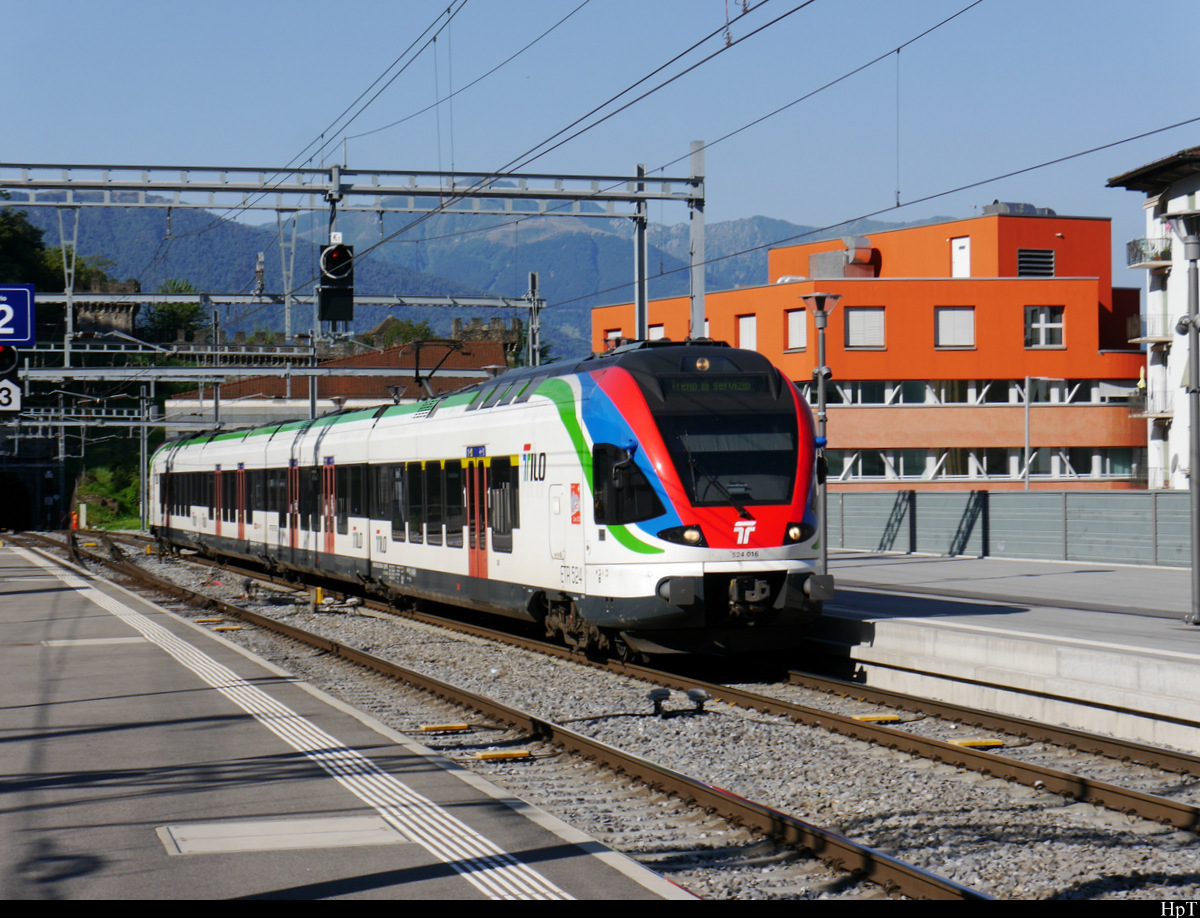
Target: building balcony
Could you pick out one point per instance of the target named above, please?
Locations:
(1156, 329)
(1152, 404)
(1148, 253)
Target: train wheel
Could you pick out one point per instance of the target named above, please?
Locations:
(622, 651)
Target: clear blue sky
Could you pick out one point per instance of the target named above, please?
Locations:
(1006, 85)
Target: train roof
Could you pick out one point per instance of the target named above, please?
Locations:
(643, 358)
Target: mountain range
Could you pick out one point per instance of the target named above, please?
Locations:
(581, 262)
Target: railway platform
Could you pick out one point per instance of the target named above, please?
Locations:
(145, 757)
(1096, 646)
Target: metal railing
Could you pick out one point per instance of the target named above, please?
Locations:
(1144, 252)
(1156, 326)
(1155, 404)
(1131, 527)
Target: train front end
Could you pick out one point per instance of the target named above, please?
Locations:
(703, 478)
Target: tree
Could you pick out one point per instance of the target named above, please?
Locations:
(517, 356)
(91, 271)
(22, 252)
(162, 322)
(402, 331)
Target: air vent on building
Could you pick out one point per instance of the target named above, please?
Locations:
(1035, 262)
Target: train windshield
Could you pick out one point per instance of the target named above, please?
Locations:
(738, 459)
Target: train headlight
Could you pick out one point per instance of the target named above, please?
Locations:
(798, 532)
(685, 535)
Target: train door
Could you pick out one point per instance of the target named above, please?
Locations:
(565, 532)
(293, 503)
(328, 502)
(241, 501)
(217, 495)
(477, 522)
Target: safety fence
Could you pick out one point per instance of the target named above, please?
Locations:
(1132, 527)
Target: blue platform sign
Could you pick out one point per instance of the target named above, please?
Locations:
(16, 314)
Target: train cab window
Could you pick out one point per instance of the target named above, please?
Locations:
(414, 477)
(621, 491)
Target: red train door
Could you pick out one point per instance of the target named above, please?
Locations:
(477, 521)
(328, 501)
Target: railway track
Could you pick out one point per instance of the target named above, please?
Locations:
(988, 755)
(852, 859)
(1073, 789)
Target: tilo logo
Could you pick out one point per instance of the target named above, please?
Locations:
(742, 529)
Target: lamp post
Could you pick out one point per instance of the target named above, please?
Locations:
(821, 305)
(1186, 225)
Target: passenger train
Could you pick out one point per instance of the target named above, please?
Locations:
(657, 498)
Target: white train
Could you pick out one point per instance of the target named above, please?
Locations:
(658, 497)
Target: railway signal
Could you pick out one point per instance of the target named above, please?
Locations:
(335, 295)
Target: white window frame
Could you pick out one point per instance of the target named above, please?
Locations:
(865, 327)
(1041, 322)
(954, 326)
(747, 332)
(797, 329)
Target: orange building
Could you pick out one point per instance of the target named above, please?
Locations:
(987, 353)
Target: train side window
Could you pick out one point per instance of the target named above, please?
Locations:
(341, 491)
(455, 512)
(258, 489)
(414, 477)
(433, 503)
(310, 489)
(397, 510)
(620, 490)
(378, 481)
(502, 502)
(229, 496)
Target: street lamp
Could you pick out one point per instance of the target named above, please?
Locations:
(821, 305)
(1186, 225)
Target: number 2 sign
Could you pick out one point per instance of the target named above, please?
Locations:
(16, 314)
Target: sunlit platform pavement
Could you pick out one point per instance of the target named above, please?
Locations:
(144, 757)
(1097, 646)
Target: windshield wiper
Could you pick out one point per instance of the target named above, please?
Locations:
(695, 467)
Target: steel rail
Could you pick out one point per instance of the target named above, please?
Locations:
(1141, 753)
(1087, 790)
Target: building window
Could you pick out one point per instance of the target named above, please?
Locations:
(954, 326)
(797, 329)
(1043, 326)
(656, 333)
(864, 326)
(747, 328)
(1035, 262)
(910, 392)
(857, 392)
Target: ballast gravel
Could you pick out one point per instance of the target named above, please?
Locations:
(1002, 839)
